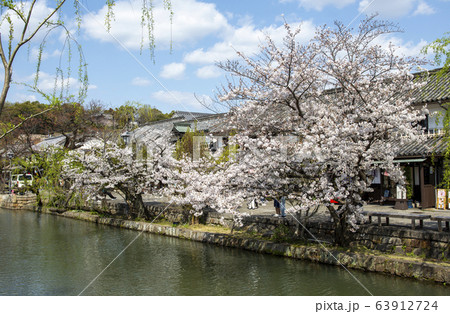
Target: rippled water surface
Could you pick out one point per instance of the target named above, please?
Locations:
(49, 255)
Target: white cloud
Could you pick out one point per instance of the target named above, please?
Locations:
(395, 9)
(424, 9)
(209, 71)
(219, 52)
(46, 83)
(409, 49)
(245, 39)
(24, 97)
(141, 81)
(192, 21)
(387, 8)
(40, 12)
(45, 55)
(173, 71)
(178, 98)
(320, 4)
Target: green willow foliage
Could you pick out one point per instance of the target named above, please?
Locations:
(446, 125)
(132, 113)
(184, 147)
(441, 50)
(17, 15)
(48, 184)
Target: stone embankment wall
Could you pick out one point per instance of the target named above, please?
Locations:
(389, 239)
(17, 201)
(171, 213)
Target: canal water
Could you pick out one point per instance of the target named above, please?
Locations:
(48, 255)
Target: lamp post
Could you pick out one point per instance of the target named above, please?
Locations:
(10, 156)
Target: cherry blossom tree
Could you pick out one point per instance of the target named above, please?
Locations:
(131, 170)
(314, 119)
(202, 184)
(194, 177)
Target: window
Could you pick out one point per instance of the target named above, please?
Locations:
(428, 175)
(424, 123)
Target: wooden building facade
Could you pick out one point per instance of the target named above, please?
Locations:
(423, 160)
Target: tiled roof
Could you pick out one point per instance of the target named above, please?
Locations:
(51, 141)
(148, 131)
(437, 87)
(428, 146)
(206, 123)
(187, 115)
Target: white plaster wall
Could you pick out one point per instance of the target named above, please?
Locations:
(434, 118)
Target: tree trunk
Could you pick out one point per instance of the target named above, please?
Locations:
(341, 237)
(340, 224)
(135, 205)
(6, 85)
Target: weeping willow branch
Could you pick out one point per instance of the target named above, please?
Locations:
(23, 12)
(18, 9)
(15, 127)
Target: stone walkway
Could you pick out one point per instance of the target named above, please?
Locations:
(267, 209)
(322, 214)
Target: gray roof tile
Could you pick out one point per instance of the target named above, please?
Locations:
(436, 89)
(428, 146)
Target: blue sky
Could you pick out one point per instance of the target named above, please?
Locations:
(202, 33)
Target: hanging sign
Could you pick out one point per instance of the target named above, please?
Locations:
(448, 200)
(401, 192)
(441, 199)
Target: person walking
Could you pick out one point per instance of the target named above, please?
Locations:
(283, 206)
(106, 191)
(253, 204)
(276, 204)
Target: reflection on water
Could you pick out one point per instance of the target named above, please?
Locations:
(48, 255)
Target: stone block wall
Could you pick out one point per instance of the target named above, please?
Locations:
(171, 213)
(388, 239)
(405, 241)
(26, 201)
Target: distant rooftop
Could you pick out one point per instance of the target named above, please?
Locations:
(188, 115)
(209, 123)
(50, 141)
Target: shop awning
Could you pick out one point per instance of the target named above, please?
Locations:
(409, 160)
(400, 161)
(182, 128)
